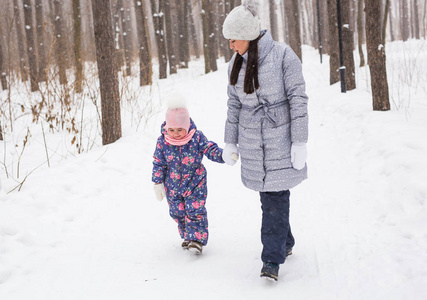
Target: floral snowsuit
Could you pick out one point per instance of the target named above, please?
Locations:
(181, 170)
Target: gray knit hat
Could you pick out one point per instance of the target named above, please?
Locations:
(242, 23)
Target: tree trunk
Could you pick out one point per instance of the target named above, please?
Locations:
(390, 17)
(360, 31)
(206, 45)
(184, 48)
(158, 11)
(60, 49)
(3, 71)
(334, 60)
(193, 35)
(294, 29)
(107, 71)
(213, 45)
(78, 62)
(31, 45)
(416, 20)
(376, 56)
(118, 37)
(20, 42)
(348, 45)
(384, 27)
(126, 33)
(273, 20)
(145, 65)
(170, 38)
(226, 51)
(42, 65)
(404, 17)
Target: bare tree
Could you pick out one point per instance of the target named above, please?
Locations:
(212, 52)
(360, 31)
(3, 71)
(348, 45)
(225, 46)
(78, 62)
(184, 49)
(273, 20)
(157, 9)
(206, 45)
(193, 34)
(416, 21)
(31, 45)
(376, 56)
(170, 38)
(107, 71)
(41, 49)
(294, 28)
(404, 17)
(126, 35)
(20, 41)
(145, 64)
(118, 32)
(334, 62)
(60, 48)
(384, 25)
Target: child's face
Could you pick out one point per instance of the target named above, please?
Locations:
(177, 133)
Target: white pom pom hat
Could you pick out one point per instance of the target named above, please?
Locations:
(242, 23)
(177, 115)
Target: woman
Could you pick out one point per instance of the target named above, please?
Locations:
(267, 122)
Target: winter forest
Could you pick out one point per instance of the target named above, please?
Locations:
(83, 92)
(49, 50)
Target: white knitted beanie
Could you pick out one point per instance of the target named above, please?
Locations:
(177, 115)
(242, 23)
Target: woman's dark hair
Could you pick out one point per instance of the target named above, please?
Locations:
(251, 77)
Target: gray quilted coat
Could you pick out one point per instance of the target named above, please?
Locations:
(265, 123)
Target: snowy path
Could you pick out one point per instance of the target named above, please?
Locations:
(92, 229)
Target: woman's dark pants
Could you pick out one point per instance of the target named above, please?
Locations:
(276, 235)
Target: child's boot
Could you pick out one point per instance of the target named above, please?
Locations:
(195, 247)
(185, 244)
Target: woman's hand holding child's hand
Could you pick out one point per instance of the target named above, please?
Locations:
(298, 155)
(159, 190)
(230, 154)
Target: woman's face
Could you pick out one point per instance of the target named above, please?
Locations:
(177, 133)
(239, 46)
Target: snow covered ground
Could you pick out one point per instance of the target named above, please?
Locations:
(89, 226)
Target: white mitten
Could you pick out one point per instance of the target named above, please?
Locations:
(230, 154)
(298, 155)
(159, 190)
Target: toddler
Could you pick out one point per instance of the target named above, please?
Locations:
(178, 174)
